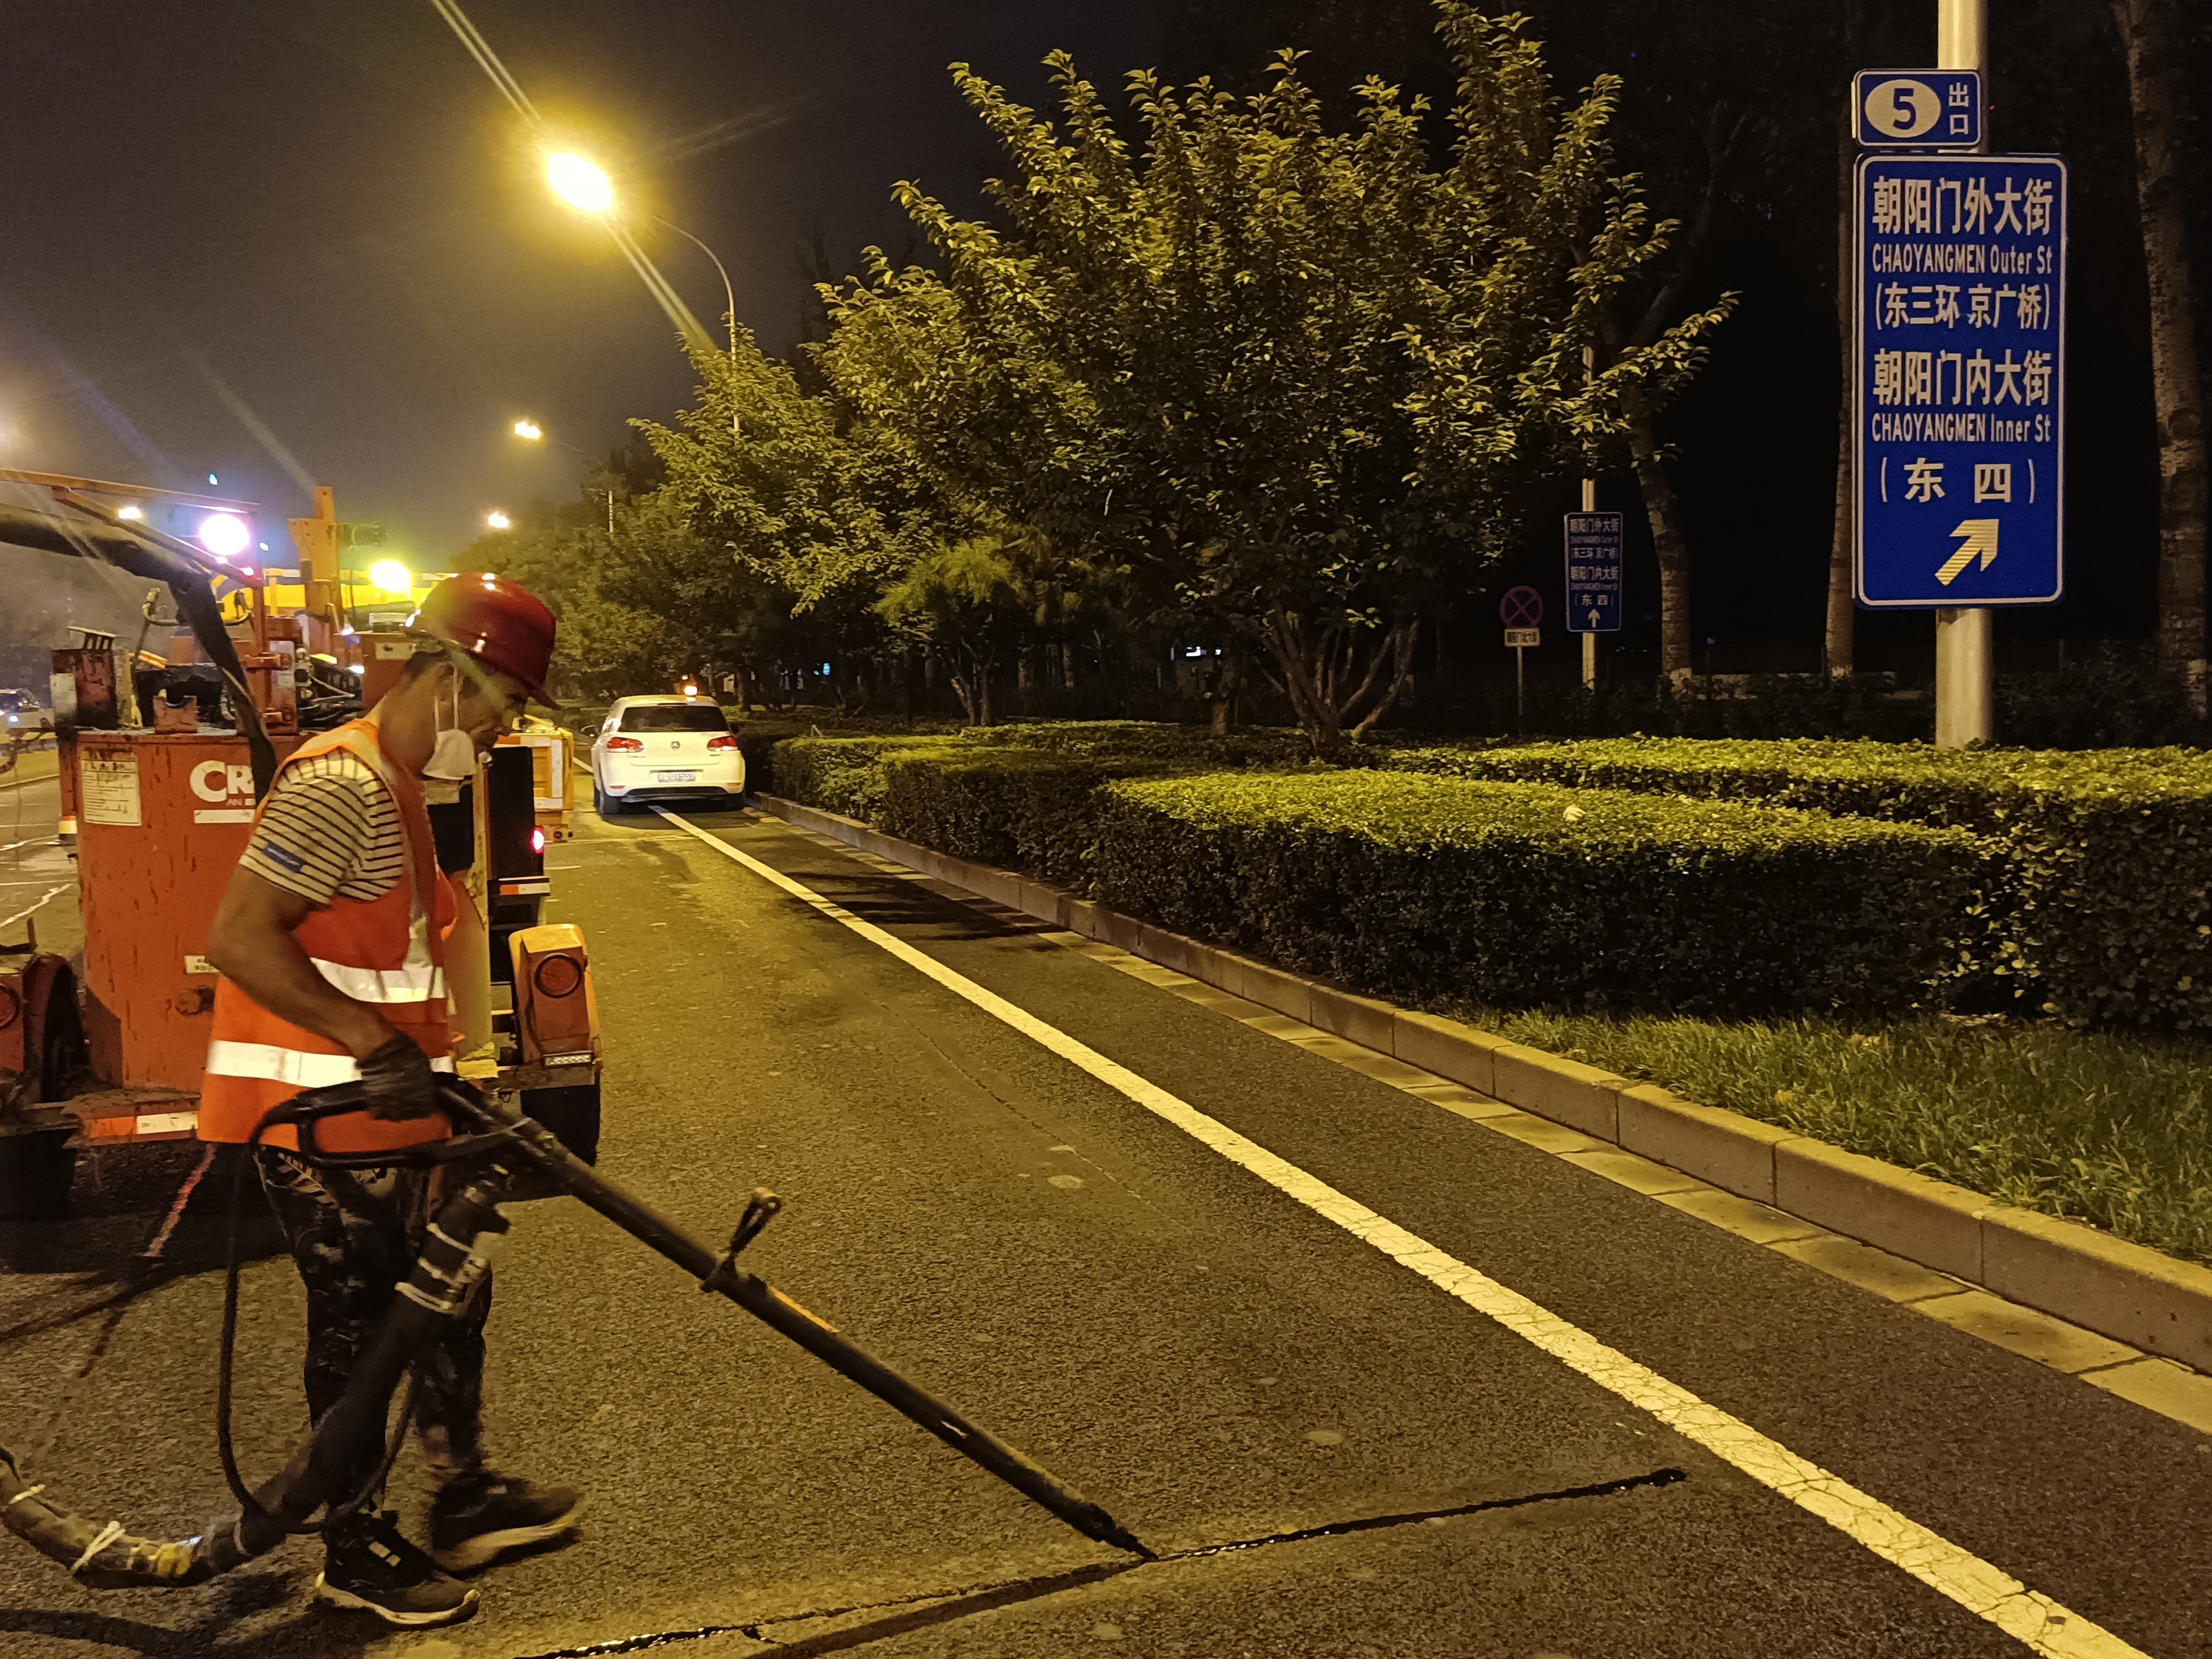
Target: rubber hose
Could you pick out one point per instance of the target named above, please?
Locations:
(123, 1560)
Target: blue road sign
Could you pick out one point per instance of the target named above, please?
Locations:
(1918, 109)
(1594, 543)
(1959, 394)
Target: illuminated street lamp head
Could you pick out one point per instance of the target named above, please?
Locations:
(392, 576)
(497, 520)
(529, 429)
(578, 183)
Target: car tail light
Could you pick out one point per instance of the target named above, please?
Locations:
(724, 742)
(625, 742)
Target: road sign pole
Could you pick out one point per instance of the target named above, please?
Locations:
(1589, 505)
(1520, 689)
(1589, 640)
(1966, 710)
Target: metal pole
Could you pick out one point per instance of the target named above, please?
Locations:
(729, 295)
(1589, 640)
(1964, 636)
(1519, 702)
(1589, 505)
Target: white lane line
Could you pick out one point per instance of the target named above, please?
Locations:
(11, 921)
(2029, 1616)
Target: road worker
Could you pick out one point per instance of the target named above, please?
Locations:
(330, 945)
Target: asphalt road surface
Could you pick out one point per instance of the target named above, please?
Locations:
(1200, 1349)
(37, 882)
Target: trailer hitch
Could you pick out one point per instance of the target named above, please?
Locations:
(488, 1155)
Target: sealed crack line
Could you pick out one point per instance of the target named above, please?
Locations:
(1378, 1522)
(927, 1608)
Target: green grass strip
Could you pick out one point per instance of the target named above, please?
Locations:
(2108, 1128)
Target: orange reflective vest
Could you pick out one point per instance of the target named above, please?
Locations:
(388, 951)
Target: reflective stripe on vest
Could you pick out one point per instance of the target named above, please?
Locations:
(294, 1067)
(409, 984)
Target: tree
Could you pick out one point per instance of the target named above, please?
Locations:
(799, 520)
(963, 602)
(1292, 381)
(2151, 35)
(565, 554)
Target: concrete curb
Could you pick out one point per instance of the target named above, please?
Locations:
(2126, 1292)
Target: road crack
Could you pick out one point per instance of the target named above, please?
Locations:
(900, 1615)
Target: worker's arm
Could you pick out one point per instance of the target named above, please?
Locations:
(250, 945)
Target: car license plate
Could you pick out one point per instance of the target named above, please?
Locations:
(676, 777)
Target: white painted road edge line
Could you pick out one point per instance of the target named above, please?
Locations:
(2027, 1615)
(10, 921)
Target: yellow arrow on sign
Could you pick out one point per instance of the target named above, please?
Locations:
(1981, 537)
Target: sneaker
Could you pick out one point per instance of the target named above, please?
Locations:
(373, 1569)
(472, 1523)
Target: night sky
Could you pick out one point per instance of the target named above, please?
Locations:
(318, 218)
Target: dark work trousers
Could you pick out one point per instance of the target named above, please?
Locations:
(354, 1235)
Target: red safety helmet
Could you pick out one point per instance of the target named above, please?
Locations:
(502, 625)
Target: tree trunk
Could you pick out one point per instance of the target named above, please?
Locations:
(1316, 670)
(1665, 513)
(964, 687)
(2152, 36)
(1838, 651)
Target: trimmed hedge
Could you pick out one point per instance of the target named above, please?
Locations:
(1190, 746)
(843, 775)
(1027, 810)
(2103, 911)
(1018, 796)
(1432, 888)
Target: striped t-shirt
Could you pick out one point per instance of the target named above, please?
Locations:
(329, 830)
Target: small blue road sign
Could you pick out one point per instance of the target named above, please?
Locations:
(1522, 607)
(1959, 392)
(1918, 109)
(1594, 543)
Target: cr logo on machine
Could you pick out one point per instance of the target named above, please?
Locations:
(229, 788)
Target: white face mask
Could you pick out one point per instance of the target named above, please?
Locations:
(454, 756)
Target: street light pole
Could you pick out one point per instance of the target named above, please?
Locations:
(1965, 635)
(586, 187)
(730, 296)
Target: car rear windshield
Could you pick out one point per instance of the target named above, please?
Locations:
(674, 717)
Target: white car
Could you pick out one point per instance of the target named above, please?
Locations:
(665, 749)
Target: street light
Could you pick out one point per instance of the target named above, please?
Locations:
(586, 187)
(392, 576)
(535, 434)
(578, 183)
(497, 520)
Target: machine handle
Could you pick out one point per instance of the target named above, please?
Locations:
(462, 1105)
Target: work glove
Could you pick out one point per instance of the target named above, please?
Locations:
(398, 1079)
